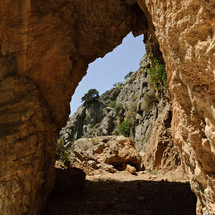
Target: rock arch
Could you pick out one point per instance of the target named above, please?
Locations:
(45, 47)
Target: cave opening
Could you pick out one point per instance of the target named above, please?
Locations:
(104, 72)
(127, 188)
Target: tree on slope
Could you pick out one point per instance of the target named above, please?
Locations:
(91, 96)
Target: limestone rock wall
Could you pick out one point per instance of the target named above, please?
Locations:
(160, 151)
(185, 32)
(27, 147)
(45, 48)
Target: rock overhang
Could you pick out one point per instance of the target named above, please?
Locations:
(50, 43)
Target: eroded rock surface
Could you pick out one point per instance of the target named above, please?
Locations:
(161, 151)
(45, 49)
(106, 153)
(45, 46)
(27, 147)
(185, 32)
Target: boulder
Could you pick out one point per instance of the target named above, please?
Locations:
(82, 149)
(131, 169)
(106, 167)
(107, 153)
(122, 150)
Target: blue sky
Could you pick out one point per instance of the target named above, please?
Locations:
(112, 68)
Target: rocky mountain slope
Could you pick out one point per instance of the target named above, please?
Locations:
(133, 109)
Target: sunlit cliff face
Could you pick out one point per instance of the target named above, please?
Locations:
(45, 47)
(185, 32)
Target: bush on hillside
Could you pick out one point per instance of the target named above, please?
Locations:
(91, 96)
(131, 81)
(124, 128)
(132, 114)
(119, 109)
(158, 75)
(148, 101)
(112, 104)
(118, 87)
(128, 75)
(61, 153)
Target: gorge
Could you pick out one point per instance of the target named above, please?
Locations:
(45, 49)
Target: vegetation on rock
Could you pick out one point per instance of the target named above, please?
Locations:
(125, 128)
(62, 153)
(148, 101)
(112, 104)
(118, 87)
(119, 109)
(158, 75)
(128, 75)
(131, 114)
(91, 96)
(131, 81)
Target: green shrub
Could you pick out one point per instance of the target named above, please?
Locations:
(118, 87)
(112, 104)
(125, 127)
(128, 75)
(132, 114)
(61, 153)
(158, 75)
(91, 96)
(119, 109)
(148, 101)
(118, 84)
(133, 107)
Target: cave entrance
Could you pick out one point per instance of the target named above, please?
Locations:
(130, 108)
(111, 69)
(123, 64)
(123, 192)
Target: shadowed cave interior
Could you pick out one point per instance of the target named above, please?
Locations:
(127, 198)
(140, 197)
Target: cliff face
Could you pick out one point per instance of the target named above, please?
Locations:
(45, 46)
(148, 115)
(185, 32)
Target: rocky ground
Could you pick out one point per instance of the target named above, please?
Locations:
(121, 193)
(106, 177)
